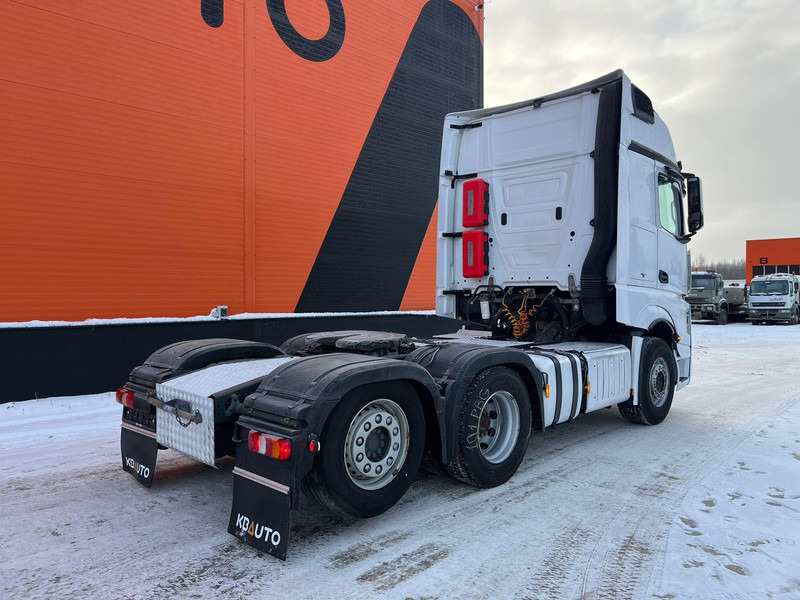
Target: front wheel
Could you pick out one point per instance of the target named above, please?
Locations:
(657, 379)
(794, 319)
(370, 450)
(722, 316)
(493, 430)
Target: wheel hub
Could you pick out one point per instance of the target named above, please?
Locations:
(376, 444)
(659, 381)
(498, 427)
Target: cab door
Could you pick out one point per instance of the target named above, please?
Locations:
(673, 266)
(673, 263)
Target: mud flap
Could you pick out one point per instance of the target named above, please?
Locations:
(139, 450)
(261, 512)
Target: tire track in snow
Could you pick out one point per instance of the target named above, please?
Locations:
(389, 574)
(639, 529)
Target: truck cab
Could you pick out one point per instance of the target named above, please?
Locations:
(775, 298)
(567, 217)
(706, 297)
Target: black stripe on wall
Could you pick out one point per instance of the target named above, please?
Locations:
(38, 362)
(371, 246)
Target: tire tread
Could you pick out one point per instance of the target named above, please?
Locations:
(459, 469)
(635, 413)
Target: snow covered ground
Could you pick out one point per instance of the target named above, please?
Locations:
(704, 506)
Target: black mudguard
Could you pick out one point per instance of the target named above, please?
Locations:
(454, 366)
(139, 450)
(296, 399)
(294, 403)
(138, 444)
(260, 513)
(183, 357)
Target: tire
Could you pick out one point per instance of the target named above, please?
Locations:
(365, 484)
(657, 380)
(722, 316)
(494, 428)
(794, 319)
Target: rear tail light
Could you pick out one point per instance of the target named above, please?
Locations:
(475, 253)
(261, 443)
(475, 212)
(125, 397)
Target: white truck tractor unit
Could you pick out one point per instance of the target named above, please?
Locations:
(775, 298)
(563, 224)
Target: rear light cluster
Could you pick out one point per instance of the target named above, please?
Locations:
(268, 445)
(125, 397)
(475, 242)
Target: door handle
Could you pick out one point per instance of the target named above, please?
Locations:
(663, 277)
(180, 408)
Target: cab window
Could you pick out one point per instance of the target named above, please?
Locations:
(669, 205)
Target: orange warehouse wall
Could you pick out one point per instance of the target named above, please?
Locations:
(777, 253)
(154, 165)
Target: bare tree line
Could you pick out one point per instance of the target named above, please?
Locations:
(729, 269)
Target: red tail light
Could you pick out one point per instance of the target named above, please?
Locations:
(475, 211)
(125, 397)
(268, 445)
(475, 253)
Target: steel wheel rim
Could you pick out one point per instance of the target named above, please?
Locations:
(659, 382)
(376, 444)
(498, 427)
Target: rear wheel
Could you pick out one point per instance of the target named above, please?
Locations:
(370, 450)
(494, 428)
(657, 379)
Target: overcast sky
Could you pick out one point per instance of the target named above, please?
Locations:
(723, 74)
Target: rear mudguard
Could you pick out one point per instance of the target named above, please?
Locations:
(183, 357)
(137, 440)
(296, 399)
(293, 403)
(454, 366)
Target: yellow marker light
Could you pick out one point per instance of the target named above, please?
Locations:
(588, 387)
(547, 391)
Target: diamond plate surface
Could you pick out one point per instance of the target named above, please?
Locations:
(198, 389)
(196, 439)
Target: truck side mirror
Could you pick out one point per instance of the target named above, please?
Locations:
(695, 203)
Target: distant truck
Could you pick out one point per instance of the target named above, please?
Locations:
(738, 297)
(775, 298)
(710, 298)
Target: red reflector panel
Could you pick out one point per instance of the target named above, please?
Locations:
(125, 397)
(475, 253)
(476, 203)
(267, 445)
